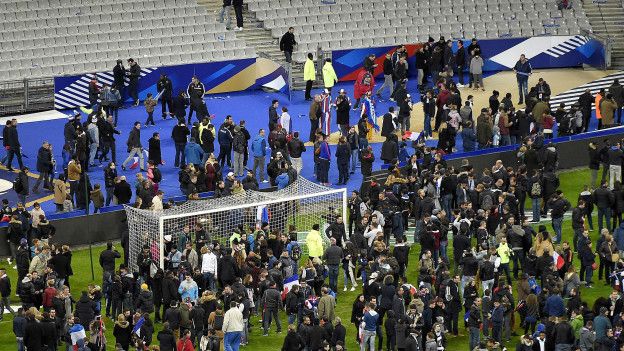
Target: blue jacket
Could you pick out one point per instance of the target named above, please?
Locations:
(193, 153)
(468, 139)
(258, 146)
(225, 136)
(523, 68)
(554, 306)
(370, 320)
(325, 153)
(601, 324)
(282, 180)
(618, 236)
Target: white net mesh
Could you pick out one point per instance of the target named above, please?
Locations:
(302, 204)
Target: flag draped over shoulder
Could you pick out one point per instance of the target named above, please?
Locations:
(77, 332)
(368, 109)
(325, 120)
(288, 284)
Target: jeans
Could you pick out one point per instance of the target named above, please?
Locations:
(354, 159)
(239, 165)
(211, 282)
(387, 83)
(368, 339)
(504, 140)
(92, 152)
(535, 206)
(333, 276)
(604, 213)
(349, 275)
(238, 11)
(150, 119)
(487, 284)
(615, 173)
(269, 314)
(563, 347)
(245, 333)
(497, 329)
(133, 89)
(231, 341)
(474, 336)
(427, 126)
(589, 271)
(259, 163)
(179, 160)
(109, 195)
(523, 87)
(505, 267)
(17, 153)
(225, 12)
(323, 171)
(465, 280)
(420, 77)
(137, 151)
(47, 181)
(288, 56)
(556, 225)
(292, 317)
(446, 203)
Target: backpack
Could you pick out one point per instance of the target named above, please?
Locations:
(157, 175)
(295, 252)
(536, 189)
(487, 203)
(18, 186)
(218, 322)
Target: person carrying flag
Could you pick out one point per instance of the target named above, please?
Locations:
(368, 110)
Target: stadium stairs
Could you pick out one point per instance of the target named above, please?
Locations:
(261, 39)
(607, 19)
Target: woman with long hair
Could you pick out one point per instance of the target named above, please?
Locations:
(357, 312)
(532, 313)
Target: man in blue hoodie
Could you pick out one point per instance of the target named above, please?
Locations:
(282, 179)
(258, 150)
(193, 152)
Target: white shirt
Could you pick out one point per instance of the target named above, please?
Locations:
(285, 122)
(157, 204)
(209, 263)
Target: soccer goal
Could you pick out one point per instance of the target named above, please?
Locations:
(303, 204)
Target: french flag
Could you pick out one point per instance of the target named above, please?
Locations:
(77, 332)
(135, 160)
(558, 259)
(263, 214)
(137, 327)
(288, 284)
(325, 122)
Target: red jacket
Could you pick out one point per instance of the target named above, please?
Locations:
(48, 295)
(361, 87)
(185, 344)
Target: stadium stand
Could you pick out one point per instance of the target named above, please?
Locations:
(42, 38)
(351, 24)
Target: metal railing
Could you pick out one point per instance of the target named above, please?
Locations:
(27, 95)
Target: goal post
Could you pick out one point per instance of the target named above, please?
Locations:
(302, 204)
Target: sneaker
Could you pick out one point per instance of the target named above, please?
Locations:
(9, 260)
(15, 267)
(265, 334)
(265, 181)
(239, 28)
(352, 288)
(345, 289)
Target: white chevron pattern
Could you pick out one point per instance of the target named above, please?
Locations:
(567, 46)
(77, 93)
(571, 96)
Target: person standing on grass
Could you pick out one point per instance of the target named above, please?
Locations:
(559, 206)
(272, 304)
(135, 148)
(314, 242)
(232, 327)
(333, 256)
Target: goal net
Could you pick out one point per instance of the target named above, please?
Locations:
(302, 204)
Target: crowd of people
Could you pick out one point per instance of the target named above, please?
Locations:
(208, 293)
(412, 295)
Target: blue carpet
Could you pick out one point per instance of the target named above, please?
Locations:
(250, 106)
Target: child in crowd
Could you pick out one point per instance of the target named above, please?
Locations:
(150, 103)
